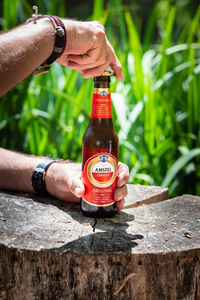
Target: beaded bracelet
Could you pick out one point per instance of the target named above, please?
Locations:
(60, 40)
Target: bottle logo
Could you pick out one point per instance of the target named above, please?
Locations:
(103, 93)
(101, 170)
(100, 179)
(103, 158)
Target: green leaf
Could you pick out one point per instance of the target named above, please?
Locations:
(179, 165)
(98, 9)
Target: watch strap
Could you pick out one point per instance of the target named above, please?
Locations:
(38, 176)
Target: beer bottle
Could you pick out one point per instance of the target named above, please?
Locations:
(100, 154)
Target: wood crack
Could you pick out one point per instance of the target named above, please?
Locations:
(93, 233)
(95, 223)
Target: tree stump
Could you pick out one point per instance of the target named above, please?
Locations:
(49, 250)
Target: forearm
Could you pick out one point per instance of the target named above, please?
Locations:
(63, 178)
(26, 47)
(22, 50)
(16, 170)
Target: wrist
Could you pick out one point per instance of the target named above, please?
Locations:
(59, 39)
(50, 179)
(48, 35)
(70, 27)
(45, 37)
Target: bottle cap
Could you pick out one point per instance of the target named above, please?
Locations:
(108, 72)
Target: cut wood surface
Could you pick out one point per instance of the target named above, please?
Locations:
(48, 250)
(144, 194)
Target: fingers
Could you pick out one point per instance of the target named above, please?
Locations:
(84, 60)
(63, 181)
(120, 193)
(97, 71)
(123, 174)
(120, 204)
(76, 187)
(116, 66)
(96, 68)
(96, 60)
(90, 65)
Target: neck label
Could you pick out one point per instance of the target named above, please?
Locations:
(101, 104)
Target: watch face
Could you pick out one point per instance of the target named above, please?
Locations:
(37, 175)
(39, 169)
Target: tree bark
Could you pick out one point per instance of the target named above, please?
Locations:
(48, 250)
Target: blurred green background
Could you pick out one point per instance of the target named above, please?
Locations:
(156, 109)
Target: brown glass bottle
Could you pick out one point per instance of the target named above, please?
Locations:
(99, 155)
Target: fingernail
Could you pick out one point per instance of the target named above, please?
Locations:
(121, 180)
(77, 191)
(120, 205)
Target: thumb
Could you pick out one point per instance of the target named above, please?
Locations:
(77, 187)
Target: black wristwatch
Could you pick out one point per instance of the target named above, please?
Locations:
(38, 177)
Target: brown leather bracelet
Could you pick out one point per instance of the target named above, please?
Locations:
(60, 40)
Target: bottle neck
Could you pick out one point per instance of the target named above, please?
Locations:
(101, 101)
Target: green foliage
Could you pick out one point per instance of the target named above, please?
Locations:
(156, 108)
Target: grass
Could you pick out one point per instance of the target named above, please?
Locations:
(156, 108)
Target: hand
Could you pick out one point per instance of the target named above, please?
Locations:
(64, 182)
(88, 38)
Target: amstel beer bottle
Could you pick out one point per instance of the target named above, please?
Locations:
(100, 154)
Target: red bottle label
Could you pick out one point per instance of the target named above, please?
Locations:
(101, 104)
(100, 179)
